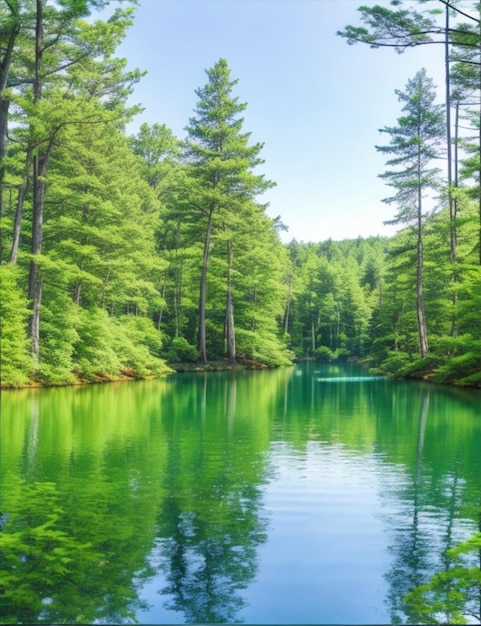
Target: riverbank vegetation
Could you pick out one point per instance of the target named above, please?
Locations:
(121, 254)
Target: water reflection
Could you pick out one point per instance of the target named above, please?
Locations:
(95, 480)
(223, 491)
(207, 563)
(411, 547)
(210, 524)
(81, 510)
(428, 520)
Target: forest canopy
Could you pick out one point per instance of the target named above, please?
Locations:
(126, 255)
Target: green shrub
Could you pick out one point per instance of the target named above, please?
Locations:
(181, 351)
(265, 348)
(322, 353)
(15, 357)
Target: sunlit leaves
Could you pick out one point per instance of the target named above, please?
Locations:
(451, 596)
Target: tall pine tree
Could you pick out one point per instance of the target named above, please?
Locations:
(221, 167)
(413, 143)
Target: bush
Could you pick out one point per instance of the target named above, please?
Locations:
(95, 352)
(451, 596)
(111, 346)
(16, 361)
(181, 351)
(266, 349)
(322, 353)
(395, 362)
(58, 336)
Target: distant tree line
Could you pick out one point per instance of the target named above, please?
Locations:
(123, 254)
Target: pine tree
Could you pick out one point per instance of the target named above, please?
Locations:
(413, 143)
(402, 28)
(221, 166)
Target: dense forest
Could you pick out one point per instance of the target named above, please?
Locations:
(123, 255)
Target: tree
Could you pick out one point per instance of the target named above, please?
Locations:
(400, 29)
(100, 252)
(413, 142)
(9, 30)
(42, 90)
(221, 166)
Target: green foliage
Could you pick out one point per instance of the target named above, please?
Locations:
(15, 358)
(36, 554)
(58, 337)
(395, 362)
(95, 354)
(451, 596)
(109, 347)
(222, 189)
(152, 246)
(60, 547)
(137, 342)
(262, 348)
(399, 28)
(323, 353)
(181, 351)
(464, 366)
(413, 142)
(335, 287)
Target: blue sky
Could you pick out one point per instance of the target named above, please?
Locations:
(315, 102)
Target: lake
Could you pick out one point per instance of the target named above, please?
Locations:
(312, 494)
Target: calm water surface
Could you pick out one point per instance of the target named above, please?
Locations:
(309, 495)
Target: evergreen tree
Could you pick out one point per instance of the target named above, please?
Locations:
(402, 28)
(413, 142)
(221, 164)
(46, 77)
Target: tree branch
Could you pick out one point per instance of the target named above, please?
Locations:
(451, 6)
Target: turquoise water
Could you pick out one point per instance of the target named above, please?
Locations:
(262, 497)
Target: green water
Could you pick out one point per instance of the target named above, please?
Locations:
(305, 495)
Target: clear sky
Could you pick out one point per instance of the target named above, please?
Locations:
(315, 102)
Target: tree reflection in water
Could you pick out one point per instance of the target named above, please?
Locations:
(57, 568)
(411, 547)
(206, 564)
(430, 521)
(210, 527)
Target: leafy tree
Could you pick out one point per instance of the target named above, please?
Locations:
(258, 270)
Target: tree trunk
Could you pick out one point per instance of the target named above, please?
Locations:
(76, 293)
(4, 105)
(5, 62)
(17, 226)
(479, 186)
(479, 171)
(230, 331)
(40, 163)
(454, 205)
(423, 335)
(35, 318)
(288, 305)
(178, 284)
(451, 199)
(203, 289)
(162, 294)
